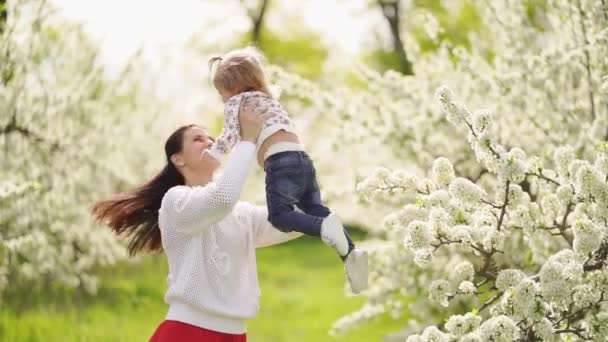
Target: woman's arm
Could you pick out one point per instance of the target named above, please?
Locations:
(192, 209)
(265, 234)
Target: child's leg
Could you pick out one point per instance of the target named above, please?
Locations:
(311, 203)
(355, 260)
(284, 186)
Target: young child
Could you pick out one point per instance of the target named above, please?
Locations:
(290, 175)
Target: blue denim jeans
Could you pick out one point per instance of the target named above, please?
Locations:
(291, 182)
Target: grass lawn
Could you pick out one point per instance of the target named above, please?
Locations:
(302, 295)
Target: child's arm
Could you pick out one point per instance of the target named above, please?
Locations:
(231, 133)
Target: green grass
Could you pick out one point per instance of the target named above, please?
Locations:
(302, 295)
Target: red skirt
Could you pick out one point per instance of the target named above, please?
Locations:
(171, 331)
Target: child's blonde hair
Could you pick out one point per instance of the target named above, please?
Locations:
(238, 71)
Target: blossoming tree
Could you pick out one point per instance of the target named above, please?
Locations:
(499, 216)
(68, 135)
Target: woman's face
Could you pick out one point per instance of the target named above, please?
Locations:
(195, 141)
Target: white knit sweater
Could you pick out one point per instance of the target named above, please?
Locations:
(210, 242)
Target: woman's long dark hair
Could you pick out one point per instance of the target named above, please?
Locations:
(135, 213)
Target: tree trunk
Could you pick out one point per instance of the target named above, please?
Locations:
(257, 18)
(3, 15)
(6, 71)
(390, 11)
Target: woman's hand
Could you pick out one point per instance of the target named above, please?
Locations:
(252, 115)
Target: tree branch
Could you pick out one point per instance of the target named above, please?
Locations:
(28, 133)
(562, 226)
(573, 314)
(490, 301)
(503, 209)
(541, 176)
(577, 332)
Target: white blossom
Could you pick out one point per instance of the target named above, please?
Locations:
(551, 205)
(499, 329)
(565, 194)
(482, 121)
(508, 278)
(438, 198)
(466, 191)
(460, 325)
(587, 236)
(526, 303)
(423, 256)
(439, 222)
(559, 275)
(464, 271)
(418, 235)
(512, 168)
(471, 337)
(426, 185)
(443, 172)
(439, 291)
(543, 329)
(432, 334)
(587, 181)
(467, 287)
(562, 157)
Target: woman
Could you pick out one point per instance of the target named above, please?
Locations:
(208, 237)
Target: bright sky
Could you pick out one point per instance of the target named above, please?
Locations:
(126, 25)
(161, 28)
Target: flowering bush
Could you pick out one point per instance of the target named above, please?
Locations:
(503, 231)
(68, 136)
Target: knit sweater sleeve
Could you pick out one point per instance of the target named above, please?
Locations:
(193, 209)
(264, 233)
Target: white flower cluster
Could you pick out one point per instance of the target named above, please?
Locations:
(430, 334)
(460, 325)
(588, 236)
(454, 210)
(439, 291)
(558, 277)
(499, 329)
(466, 191)
(366, 313)
(508, 278)
(443, 172)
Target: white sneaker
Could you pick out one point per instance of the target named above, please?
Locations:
(356, 269)
(332, 233)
